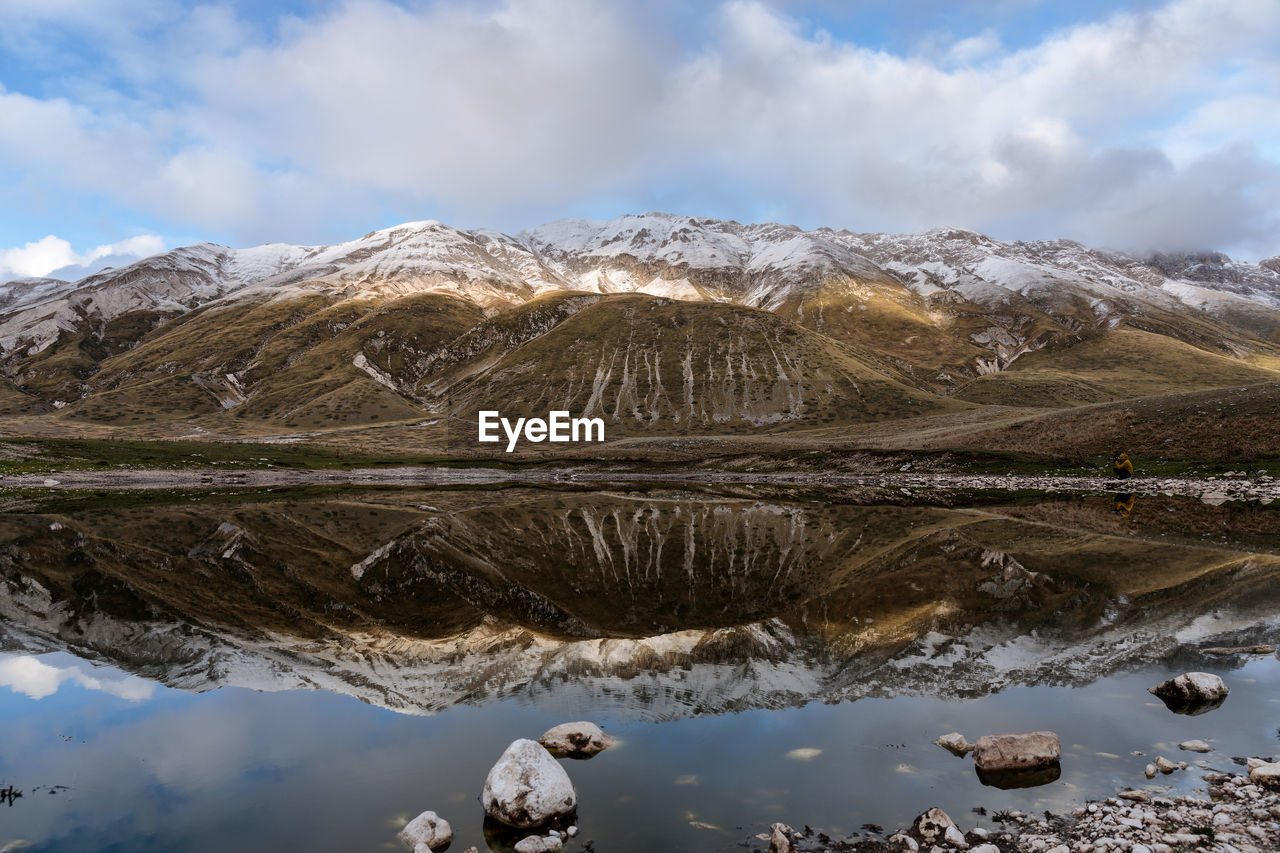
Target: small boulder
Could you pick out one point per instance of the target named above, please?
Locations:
(1150, 771)
(1192, 692)
(527, 787)
(1267, 775)
(539, 844)
(1195, 746)
(1017, 751)
(955, 743)
(1164, 765)
(778, 841)
(576, 740)
(931, 826)
(426, 832)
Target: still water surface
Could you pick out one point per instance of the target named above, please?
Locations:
(306, 672)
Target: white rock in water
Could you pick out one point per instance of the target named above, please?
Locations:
(932, 825)
(1164, 765)
(1150, 770)
(1195, 746)
(539, 844)
(955, 742)
(1192, 688)
(1266, 774)
(527, 787)
(955, 838)
(1017, 751)
(778, 841)
(581, 738)
(427, 830)
(986, 848)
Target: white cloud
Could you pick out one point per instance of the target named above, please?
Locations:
(1143, 130)
(33, 677)
(53, 257)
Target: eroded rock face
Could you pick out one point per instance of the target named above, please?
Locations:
(578, 740)
(1022, 751)
(527, 787)
(1192, 692)
(427, 832)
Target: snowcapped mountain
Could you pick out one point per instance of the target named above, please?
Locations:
(39, 310)
(418, 256)
(933, 311)
(659, 254)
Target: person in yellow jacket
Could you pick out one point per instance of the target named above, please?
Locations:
(1121, 467)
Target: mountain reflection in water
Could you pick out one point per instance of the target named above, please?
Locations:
(652, 605)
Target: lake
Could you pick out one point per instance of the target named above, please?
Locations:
(307, 669)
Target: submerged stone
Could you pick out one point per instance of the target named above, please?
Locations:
(539, 844)
(955, 743)
(427, 832)
(577, 740)
(1191, 692)
(1195, 746)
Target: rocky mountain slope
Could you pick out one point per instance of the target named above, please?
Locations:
(660, 323)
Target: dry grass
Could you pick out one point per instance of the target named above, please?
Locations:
(1236, 424)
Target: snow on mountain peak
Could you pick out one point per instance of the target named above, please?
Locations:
(684, 257)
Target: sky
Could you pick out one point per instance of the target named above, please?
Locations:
(131, 126)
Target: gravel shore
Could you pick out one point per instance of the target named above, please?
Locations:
(1212, 490)
(1238, 812)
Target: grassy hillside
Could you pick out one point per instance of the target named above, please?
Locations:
(889, 325)
(651, 364)
(288, 363)
(1236, 425)
(1111, 365)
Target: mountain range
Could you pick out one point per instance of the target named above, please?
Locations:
(660, 324)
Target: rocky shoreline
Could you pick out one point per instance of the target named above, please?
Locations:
(1240, 815)
(1212, 490)
(1239, 812)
